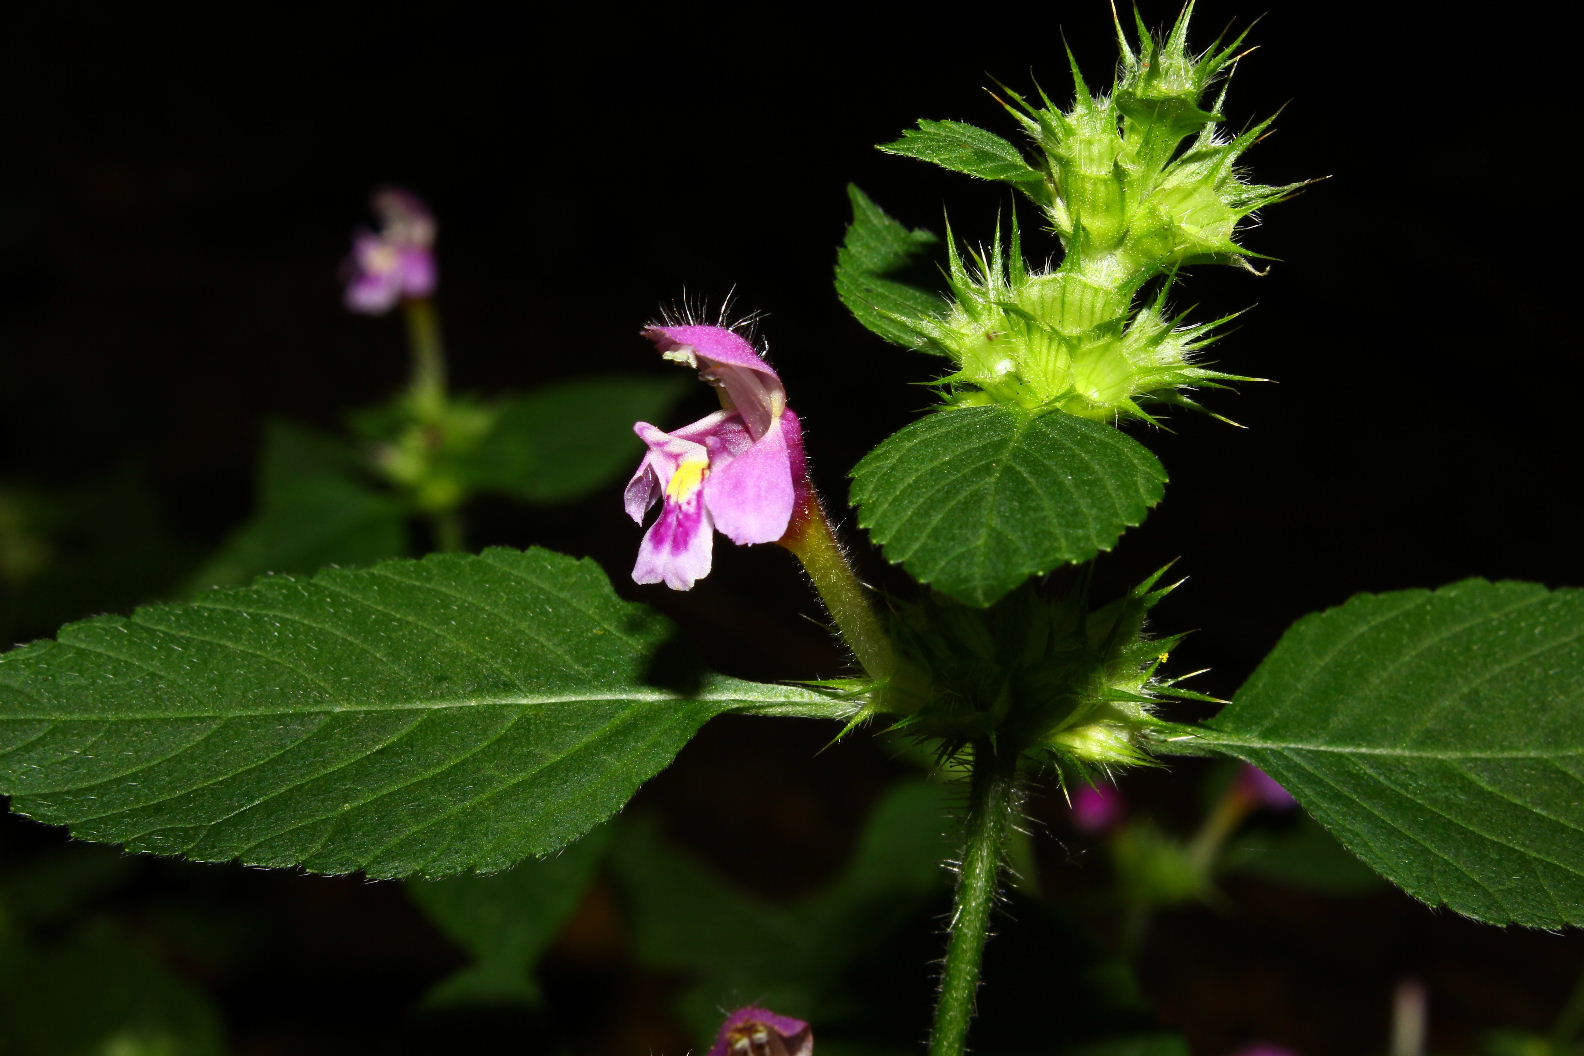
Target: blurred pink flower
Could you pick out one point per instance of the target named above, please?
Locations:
(1263, 789)
(397, 262)
(1264, 1050)
(1096, 809)
(755, 1031)
(739, 471)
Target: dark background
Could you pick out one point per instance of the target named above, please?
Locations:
(179, 191)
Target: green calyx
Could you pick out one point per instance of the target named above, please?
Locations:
(1059, 340)
(1048, 677)
(1136, 184)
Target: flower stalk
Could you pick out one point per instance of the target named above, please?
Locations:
(992, 797)
(428, 359)
(812, 539)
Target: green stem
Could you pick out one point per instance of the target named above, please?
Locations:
(846, 598)
(991, 801)
(428, 358)
(449, 536)
(1223, 820)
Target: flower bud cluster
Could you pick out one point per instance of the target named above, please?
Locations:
(1136, 184)
(1049, 676)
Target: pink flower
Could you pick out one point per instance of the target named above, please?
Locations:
(398, 262)
(1264, 1050)
(739, 471)
(1263, 789)
(1097, 809)
(760, 1032)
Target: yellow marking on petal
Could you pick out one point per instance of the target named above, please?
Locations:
(382, 259)
(687, 479)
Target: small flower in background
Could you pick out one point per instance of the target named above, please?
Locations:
(755, 1031)
(1096, 809)
(397, 262)
(1264, 1050)
(739, 471)
(1263, 789)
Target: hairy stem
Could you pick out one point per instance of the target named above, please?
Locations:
(811, 538)
(992, 799)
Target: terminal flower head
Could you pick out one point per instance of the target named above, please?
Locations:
(397, 262)
(755, 1031)
(739, 471)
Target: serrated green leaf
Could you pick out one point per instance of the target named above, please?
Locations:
(973, 501)
(1440, 736)
(417, 717)
(316, 507)
(565, 440)
(964, 148)
(876, 256)
(506, 921)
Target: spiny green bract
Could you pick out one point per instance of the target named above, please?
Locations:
(1052, 678)
(1135, 184)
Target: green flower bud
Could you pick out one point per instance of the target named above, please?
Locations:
(1136, 184)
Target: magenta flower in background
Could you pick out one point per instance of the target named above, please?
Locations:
(397, 262)
(1263, 789)
(739, 471)
(755, 1031)
(1265, 1050)
(1096, 809)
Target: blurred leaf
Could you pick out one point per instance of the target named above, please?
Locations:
(95, 546)
(855, 957)
(98, 994)
(975, 500)
(1154, 869)
(1303, 856)
(874, 256)
(429, 717)
(1517, 1043)
(743, 949)
(317, 507)
(562, 441)
(506, 921)
(1440, 736)
(42, 888)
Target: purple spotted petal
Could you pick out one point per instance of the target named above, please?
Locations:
(756, 1031)
(677, 548)
(751, 497)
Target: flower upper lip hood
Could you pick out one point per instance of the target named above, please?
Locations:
(739, 471)
(727, 360)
